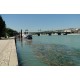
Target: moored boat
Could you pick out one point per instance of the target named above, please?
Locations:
(29, 37)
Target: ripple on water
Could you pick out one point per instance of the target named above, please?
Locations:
(57, 55)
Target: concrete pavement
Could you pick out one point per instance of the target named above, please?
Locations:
(8, 55)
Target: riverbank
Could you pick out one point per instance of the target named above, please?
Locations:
(8, 55)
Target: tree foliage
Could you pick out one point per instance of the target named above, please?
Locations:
(11, 32)
(2, 28)
(4, 32)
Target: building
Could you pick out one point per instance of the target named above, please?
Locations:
(68, 30)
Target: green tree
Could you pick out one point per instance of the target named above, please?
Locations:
(2, 28)
(11, 32)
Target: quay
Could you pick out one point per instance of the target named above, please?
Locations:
(8, 54)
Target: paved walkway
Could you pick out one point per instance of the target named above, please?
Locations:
(8, 55)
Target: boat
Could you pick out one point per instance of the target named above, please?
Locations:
(29, 37)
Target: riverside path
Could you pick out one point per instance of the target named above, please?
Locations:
(8, 55)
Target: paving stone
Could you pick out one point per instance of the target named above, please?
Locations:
(8, 54)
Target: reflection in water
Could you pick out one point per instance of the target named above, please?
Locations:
(53, 51)
(21, 42)
(29, 42)
(26, 55)
(25, 41)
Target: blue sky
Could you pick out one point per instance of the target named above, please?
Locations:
(35, 22)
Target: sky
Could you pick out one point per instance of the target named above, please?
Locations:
(35, 22)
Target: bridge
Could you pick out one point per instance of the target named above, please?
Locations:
(50, 33)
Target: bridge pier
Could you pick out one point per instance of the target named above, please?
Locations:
(59, 33)
(49, 34)
(65, 33)
(38, 34)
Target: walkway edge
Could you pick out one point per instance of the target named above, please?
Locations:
(13, 56)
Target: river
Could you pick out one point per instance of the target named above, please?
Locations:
(55, 50)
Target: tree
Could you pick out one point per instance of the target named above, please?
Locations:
(2, 28)
(11, 32)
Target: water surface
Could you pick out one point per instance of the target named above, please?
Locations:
(47, 50)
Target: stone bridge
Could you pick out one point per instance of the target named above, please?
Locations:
(50, 33)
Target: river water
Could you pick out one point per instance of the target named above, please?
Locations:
(47, 50)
